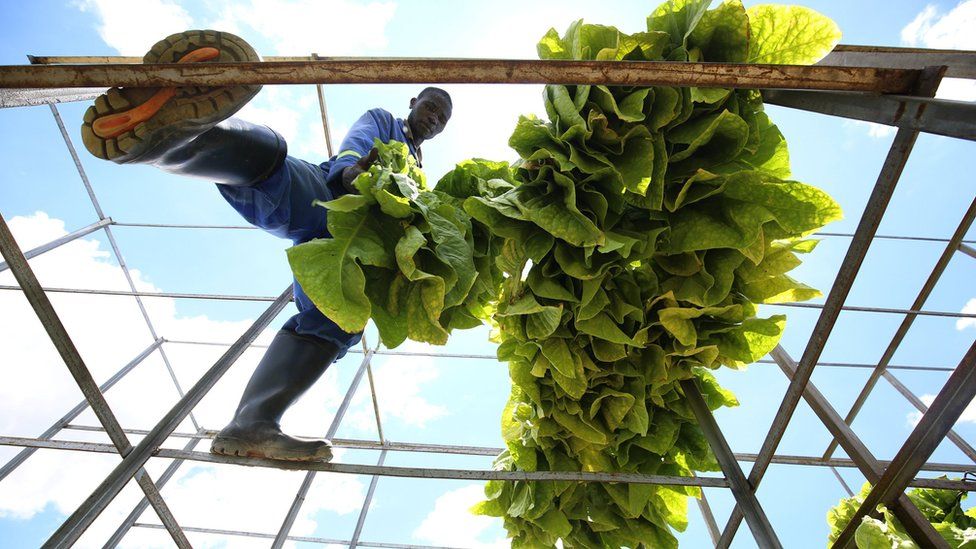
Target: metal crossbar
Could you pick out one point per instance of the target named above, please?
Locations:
(905, 74)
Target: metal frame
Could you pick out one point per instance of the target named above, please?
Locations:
(840, 86)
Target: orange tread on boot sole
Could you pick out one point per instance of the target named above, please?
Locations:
(114, 125)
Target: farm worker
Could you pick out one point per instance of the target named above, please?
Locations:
(189, 131)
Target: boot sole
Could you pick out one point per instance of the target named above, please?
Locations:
(229, 446)
(194, 109)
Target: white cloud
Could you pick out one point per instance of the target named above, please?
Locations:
(108, 332)
(877, 131)
(450, 523)
(326, 27)
(970, 309)
(133, 26)
(953, 30)
(968, 415)
(399, 385)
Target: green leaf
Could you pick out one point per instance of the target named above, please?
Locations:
(790, 35)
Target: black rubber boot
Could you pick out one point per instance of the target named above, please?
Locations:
(187, 133)
(291, 365)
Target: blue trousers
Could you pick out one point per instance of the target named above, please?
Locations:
(282, 206)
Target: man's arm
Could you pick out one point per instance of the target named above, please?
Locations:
(356, 152)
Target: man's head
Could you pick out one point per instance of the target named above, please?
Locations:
(429, 113)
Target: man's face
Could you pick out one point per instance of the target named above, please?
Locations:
(428, 116)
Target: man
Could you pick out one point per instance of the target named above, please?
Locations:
(189, 131)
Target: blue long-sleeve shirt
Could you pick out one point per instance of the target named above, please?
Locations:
(282, 205)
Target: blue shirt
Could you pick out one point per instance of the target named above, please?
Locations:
(282, 205)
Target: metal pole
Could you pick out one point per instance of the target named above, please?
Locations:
(968, 250)
(462, 71)
(369, 499)
(960, 64)
(30, 254)
(296, 505)
(140, 507)
(79, 371)
(324, 111)
(744, 494)
(115, 249)
(386, 470)
(936, 116)
(877, 204)
(77, 410)
(948, 405)
(81, 519)
(909, 515)
(953, 436)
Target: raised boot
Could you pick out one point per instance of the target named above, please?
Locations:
(185, 130)
(291, 365)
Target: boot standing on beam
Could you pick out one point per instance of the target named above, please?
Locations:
(189, 131)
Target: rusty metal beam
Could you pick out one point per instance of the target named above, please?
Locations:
(960, 63)
(473, 71)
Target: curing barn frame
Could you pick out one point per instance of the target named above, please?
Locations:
(892, 86)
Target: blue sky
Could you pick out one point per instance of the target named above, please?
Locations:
(441, 400)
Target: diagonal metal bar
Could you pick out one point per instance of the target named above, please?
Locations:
(843, 483)
(140, 507)
(62, 423)
(81, 519)
(79, 371)
(296, 505)
(906, 324)
(891, 171)
(925, 114)
(366, 503)
(324, 111)
(948, 405)
(953, 436)
(115, 249)
(706, 511)
(744, 494)
(909, 515)
(43, 248)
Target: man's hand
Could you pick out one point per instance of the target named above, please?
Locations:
(352, 172)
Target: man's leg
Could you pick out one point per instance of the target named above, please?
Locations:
(188, 131)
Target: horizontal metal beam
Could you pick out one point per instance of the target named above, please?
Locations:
(225, 297)
(31, 97)
(493, 357)
(924, 114)
(252, 228)
(958, 63)
(358, 444)
(805, 461)
(304, 539)
(69, 532)
(945, 410)
(462, 71)
(385, 471)
(84, 231)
